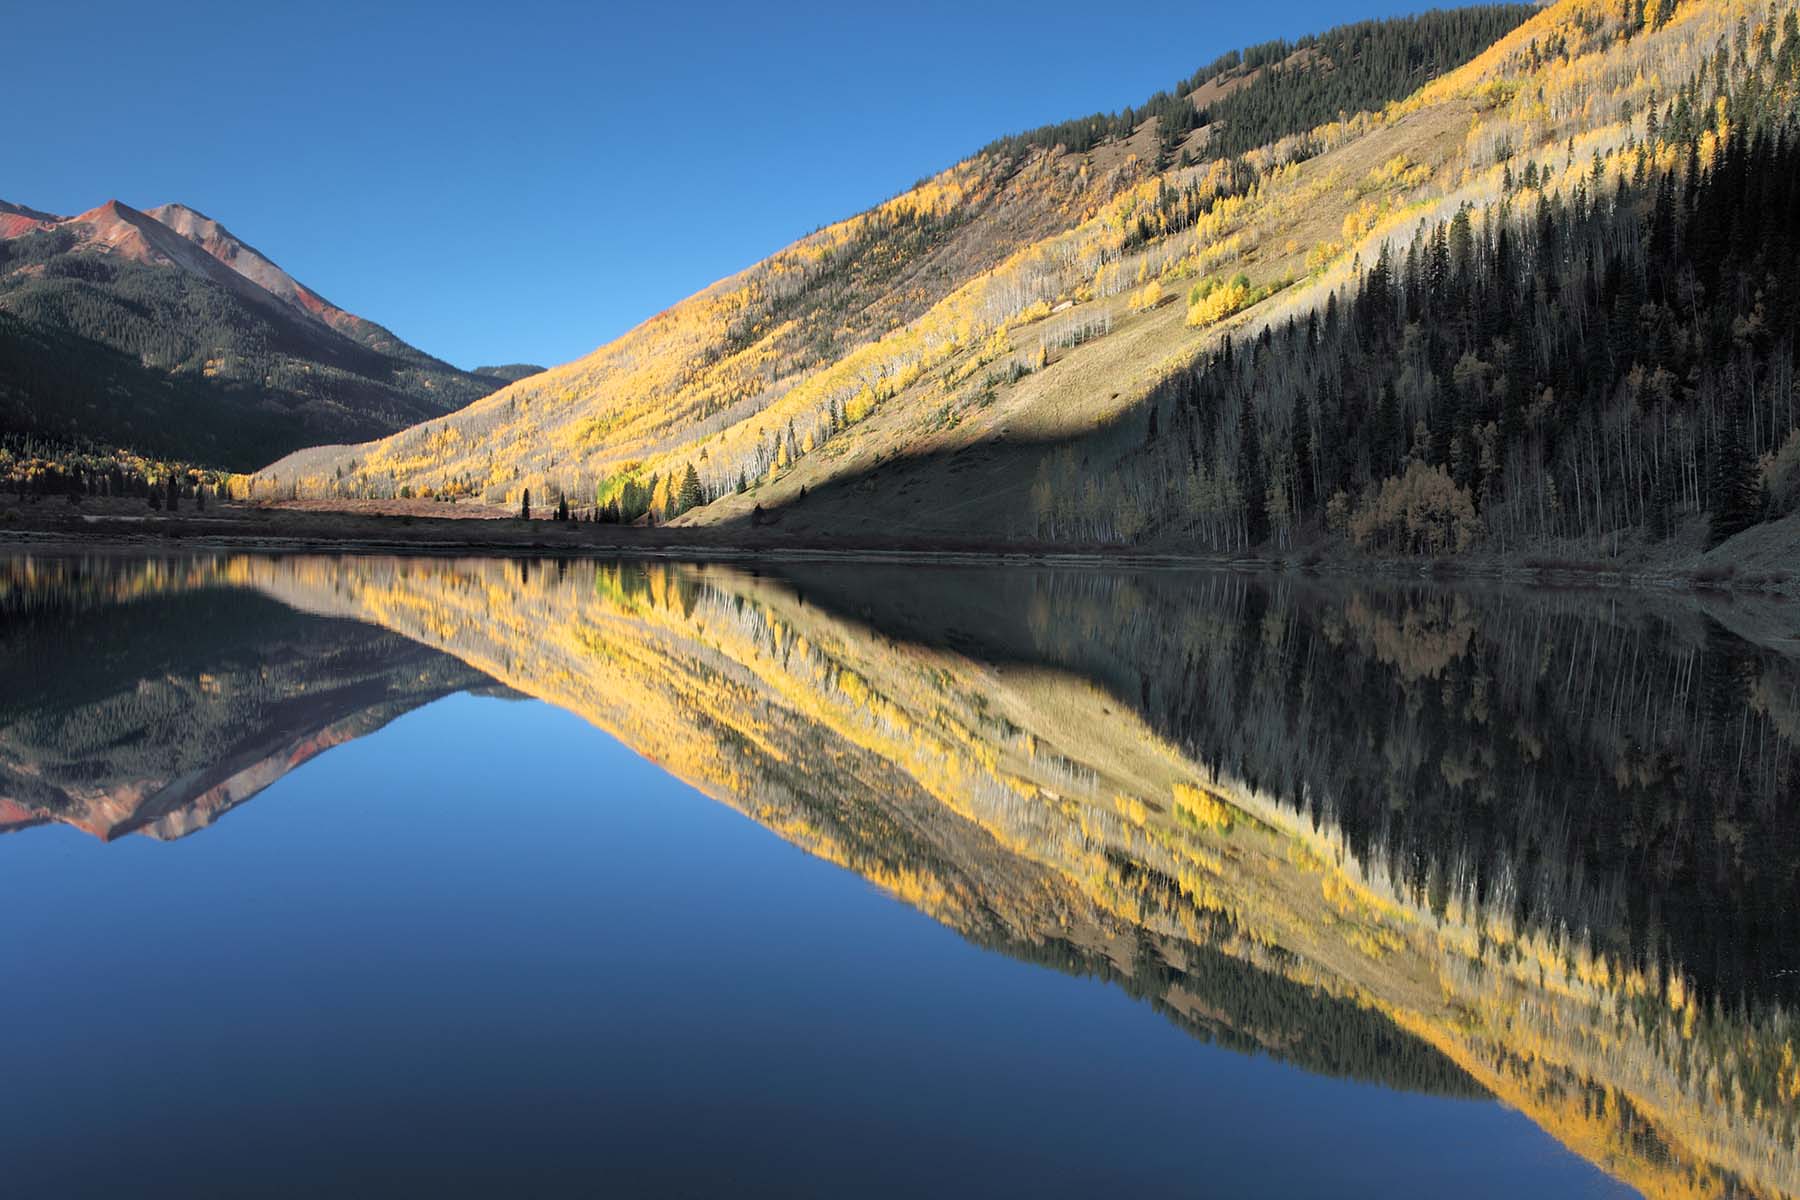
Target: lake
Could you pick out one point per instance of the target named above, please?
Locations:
(366, 876)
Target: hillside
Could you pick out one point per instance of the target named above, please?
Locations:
(1532, 290)
(163, 332)
(912, 326)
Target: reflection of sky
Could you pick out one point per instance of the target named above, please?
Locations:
(489, 949)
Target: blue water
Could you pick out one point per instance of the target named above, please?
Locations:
(488, 951)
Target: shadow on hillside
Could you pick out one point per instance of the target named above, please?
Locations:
(975, 495)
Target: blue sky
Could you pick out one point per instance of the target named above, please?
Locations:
(524, 181)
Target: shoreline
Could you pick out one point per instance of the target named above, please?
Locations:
(52, 528)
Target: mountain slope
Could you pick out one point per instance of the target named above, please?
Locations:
(911, 319)
(1543, 303)
(164, 332)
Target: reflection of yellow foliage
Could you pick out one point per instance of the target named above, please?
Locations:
(842, 741)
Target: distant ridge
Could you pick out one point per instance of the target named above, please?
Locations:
(511, 372)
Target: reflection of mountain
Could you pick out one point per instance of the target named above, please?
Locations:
(161, 714)
(1540, 846)
(1521, 844)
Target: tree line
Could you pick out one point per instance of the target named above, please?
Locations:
(1348, 69)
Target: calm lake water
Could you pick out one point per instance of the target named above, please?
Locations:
(376, 877)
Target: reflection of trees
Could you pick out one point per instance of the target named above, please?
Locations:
(1494, 830)
(1605, 773)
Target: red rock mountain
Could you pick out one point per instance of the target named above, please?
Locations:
(164, 331)
(176, 235)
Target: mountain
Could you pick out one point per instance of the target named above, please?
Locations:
(896, 328)
(1377, 830)
(1516, 248)
(163, 332)
(16, 221)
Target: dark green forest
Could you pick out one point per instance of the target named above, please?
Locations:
(1349, 69)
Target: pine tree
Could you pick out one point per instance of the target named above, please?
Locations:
(525, 505)
(691, 495)
(1251, 476)
(1734, 488)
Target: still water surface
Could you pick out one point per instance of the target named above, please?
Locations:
(377, 877)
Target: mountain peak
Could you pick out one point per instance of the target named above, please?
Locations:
(165, 212)
(112, 210)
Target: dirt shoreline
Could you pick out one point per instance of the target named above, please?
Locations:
(51, 527)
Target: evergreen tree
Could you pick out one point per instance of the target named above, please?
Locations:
(691, 494)
(1734, 487)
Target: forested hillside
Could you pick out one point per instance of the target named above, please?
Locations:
(162, 333)
(1614, 359)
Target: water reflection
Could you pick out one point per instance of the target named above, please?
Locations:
(1536, 846)
(148, 698)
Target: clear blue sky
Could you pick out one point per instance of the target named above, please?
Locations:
(523, 181)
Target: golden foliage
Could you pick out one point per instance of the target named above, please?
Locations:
(1420, 512)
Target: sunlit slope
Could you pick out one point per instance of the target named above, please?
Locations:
(1567, 90)
(699, 372)
(1006, 298)
(1029, 802)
